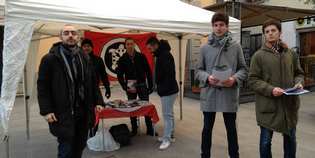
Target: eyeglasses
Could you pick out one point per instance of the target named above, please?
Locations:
(66, 33)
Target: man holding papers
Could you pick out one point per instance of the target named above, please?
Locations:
(274, 69)
(135, 77)
(221, 71)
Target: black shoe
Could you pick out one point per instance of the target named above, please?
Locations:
(133, 133)
(150, 133)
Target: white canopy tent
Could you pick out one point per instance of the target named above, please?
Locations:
(26, 21)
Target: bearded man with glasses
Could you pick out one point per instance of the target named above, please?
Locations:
(68, 93)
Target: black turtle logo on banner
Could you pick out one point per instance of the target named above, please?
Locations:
(111, 53)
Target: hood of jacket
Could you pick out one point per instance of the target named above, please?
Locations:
(164, 46)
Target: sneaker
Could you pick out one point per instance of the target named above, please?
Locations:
(165, 144)
(133, 133)
(160, 139)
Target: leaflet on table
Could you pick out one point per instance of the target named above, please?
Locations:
(126, 104)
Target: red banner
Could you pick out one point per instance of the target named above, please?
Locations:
(110, 47)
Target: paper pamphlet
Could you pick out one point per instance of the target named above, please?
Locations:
(221, 75)
(295, 91)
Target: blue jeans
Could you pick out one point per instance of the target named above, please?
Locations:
(289, 143)
(230, 125)
(168, 115)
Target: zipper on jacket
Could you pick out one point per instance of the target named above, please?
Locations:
(281, 84)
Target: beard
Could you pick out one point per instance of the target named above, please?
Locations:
(70, 43)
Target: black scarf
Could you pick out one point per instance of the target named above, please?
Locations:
(75, 68)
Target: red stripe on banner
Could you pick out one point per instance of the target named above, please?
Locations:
(104, 41)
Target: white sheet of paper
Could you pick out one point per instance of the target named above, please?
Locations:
(132, 85)
(221, 75)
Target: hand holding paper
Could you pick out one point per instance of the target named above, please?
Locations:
(295, 91)
(229, 82)
(277, 92)
(222, 77)
(212, 80)
(131, 86)
(298, 86)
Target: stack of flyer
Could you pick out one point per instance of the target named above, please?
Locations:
(295, 91)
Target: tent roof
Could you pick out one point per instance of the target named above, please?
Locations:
(150, 15)
(256, 14)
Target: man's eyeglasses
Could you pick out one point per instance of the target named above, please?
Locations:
(66, 33)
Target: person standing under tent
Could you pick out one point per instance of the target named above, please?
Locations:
(99, 68)
(167, 87)
(221, 55)
(135, 77)
(68, 93)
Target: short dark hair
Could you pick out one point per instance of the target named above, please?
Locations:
(218, 16)
(86, 41)
(61, 30)
(152, 41)
(271, 22)
(128, 39)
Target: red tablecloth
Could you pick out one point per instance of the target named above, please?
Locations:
(148, 110)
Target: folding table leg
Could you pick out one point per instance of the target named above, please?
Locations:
(139, 125)
(153, 124)
(103, 135)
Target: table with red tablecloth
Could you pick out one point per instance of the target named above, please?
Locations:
(145, 110)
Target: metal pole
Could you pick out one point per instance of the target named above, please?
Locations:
(6, 139)
(27, 111)
(233, 8)
(180, 77)
(103, 135)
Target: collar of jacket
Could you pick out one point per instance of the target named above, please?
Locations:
(91, 55)
(56, 49)
(135, 55)
(267, 46)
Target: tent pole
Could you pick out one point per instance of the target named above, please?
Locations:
(180, 36)
(26, 97)
(7, 146)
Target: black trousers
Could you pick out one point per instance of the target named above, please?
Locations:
(143, 94)
(230, 125)
(73, 147)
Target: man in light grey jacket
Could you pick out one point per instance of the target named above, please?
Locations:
(221, 55)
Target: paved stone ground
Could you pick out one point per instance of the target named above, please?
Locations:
(188, 133)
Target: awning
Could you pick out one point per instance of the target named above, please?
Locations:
(256, 14)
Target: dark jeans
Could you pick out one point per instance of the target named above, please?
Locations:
(74, 147)
(230, 125)
(142, 93)
(289, 143)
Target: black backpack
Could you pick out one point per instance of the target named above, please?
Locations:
(121, 134)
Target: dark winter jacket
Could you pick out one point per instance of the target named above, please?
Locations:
(267, 71)
(138, 69)
(165, 74)
(59, 95)
(100, 70)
